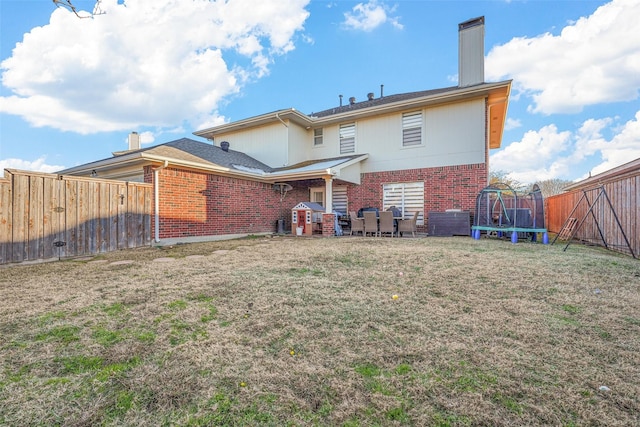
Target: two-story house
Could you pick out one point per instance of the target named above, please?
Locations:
(420, 151)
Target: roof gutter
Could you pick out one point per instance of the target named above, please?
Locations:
(156, 196)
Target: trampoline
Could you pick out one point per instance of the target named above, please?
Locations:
(501, 212)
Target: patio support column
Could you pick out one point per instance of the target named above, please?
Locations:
(328, 179)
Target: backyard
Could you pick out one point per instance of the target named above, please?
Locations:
(337, 331)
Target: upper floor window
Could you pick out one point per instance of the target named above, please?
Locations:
(317, 137)
(412, 129)
(348, 138)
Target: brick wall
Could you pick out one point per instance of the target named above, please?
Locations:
(450, 187)
(196, 203)
(200, 204)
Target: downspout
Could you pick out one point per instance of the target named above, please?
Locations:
(156, 195)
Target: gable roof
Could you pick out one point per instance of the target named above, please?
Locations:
(184, 152)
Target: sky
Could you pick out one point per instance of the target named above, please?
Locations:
(72, 88)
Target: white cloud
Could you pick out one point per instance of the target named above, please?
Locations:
(38, 165)
(512, 124)
(623, 147)
(151, 63)
(534, 157)
(593, 60)
(369, 16)
(549, 153)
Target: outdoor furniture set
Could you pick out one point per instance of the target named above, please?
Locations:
(376, 224)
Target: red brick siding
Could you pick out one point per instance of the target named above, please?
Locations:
(450, 187)
(195, 203)
(200, 204)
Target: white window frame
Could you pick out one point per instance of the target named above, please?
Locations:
(313, 192)
(318, 137)
(340, 199)
(412, 129)
(347, 134)
(406, 196)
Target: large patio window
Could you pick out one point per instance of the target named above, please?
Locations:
(406, 196)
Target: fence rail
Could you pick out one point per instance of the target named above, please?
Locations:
(45, 216)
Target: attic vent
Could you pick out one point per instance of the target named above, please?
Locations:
(370, 96)
(224, 145)
(352, 100)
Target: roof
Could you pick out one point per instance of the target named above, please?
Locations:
(309, 205)
(191, 154)
(631, 168)
(381, 101)
(184, 150)
(496, 94)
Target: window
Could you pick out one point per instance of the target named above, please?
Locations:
(317, 195)
(412, 129)
(340, 199)
(317, 137)
(348, 138)
(407, 196)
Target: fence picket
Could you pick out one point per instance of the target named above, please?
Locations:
(44, 216)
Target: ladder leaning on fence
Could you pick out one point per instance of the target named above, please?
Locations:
(567, 230)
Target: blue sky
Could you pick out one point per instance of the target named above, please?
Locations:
(72, 89)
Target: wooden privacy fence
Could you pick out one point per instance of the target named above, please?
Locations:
(45, 216)
(614, 223)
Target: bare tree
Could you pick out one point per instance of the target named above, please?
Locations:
(67, 4)
(503, 177)
(551, 187)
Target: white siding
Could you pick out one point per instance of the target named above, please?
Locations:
(471, 56)
(269, 144)
(453, 135)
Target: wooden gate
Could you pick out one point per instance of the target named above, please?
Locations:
(46, 216)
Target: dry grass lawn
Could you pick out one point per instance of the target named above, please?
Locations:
(297, 331)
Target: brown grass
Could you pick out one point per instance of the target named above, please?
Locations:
(297, 331)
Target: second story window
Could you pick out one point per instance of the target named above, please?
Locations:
(412, 129)
(348, 138)
(317, 137)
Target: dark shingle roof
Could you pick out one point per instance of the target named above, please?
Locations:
(381, 101)
(194, 151)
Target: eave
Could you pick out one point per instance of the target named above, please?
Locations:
(124, 165)
(497, 93)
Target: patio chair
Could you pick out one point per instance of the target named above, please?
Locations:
(408, 225)
(370, 223)
(357, 224)
(386, 223)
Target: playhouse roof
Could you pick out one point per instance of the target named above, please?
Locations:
(309, 205)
